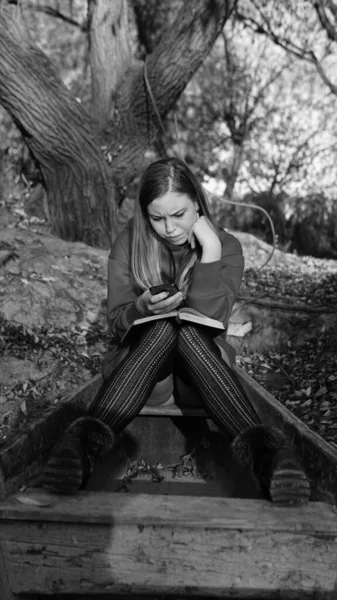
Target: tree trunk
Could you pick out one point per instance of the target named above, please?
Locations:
(233, 172)
(59, 134)
(109, 45)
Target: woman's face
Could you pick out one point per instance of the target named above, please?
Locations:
(172, 216)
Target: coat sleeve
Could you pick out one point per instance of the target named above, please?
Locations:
(215, 286)
(122, 310)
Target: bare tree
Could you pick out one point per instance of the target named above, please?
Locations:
(298, 27)
(239, 89)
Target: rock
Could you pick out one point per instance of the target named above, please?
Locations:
(5, 255)
(64, 283)
(257, 252)
(13, 268)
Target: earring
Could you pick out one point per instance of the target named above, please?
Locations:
(198, 216)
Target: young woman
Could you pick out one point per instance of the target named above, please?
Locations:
(174, 239)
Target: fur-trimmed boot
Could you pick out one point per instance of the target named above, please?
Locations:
(274, 463)
(73, 458)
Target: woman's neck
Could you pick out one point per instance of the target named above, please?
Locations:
(175, 247)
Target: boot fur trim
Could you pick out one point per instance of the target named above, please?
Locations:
(251, 446)
(272, 460)
(96, 437)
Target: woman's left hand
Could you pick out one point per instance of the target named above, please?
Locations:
(203, 231)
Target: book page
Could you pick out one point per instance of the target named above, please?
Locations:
(148, 319)
(188, 314)
(168, 315)
(184, 314)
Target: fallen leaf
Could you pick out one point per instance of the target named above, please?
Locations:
(307, 402)
(24, 499)
(323, 390)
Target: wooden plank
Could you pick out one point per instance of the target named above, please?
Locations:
(105, 507)
(5, 588)
(172, 411)
(151, 561)
(5, 591)
(104, 543)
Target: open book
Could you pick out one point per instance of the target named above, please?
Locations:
(183, 314)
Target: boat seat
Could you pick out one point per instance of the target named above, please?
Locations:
(172, 410)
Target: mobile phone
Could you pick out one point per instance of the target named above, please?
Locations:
(170, 288)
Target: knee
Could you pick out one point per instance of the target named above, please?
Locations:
(196, 337)
(186, 332)
(158, 330)
(163, 331)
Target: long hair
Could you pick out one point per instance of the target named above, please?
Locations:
(162, 176)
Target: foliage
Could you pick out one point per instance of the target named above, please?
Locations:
(270, 105)
(306, 225)
(298, 28)
(313, 223)
(155, 473)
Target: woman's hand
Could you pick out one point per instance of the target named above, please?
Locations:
(158, 304)
(203, 231)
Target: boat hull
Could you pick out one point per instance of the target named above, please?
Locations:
(204, 531)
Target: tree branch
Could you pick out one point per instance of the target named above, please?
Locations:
(184, 47)
(110, 54)
(323, 18)
(286, 44)
(53, 12)
(290, 47)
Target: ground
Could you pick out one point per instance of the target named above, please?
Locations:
(53, 326)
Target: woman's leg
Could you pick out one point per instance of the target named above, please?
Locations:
(200, 359)
(266, 451)
(121, 398)
(117, 402)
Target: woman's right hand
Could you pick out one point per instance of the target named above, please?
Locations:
(158, 304)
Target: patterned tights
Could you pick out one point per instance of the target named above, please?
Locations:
(196, 356)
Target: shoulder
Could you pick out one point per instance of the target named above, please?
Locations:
(230, 244)
(120, 249)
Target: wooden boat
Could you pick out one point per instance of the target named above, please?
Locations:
(203, 530)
